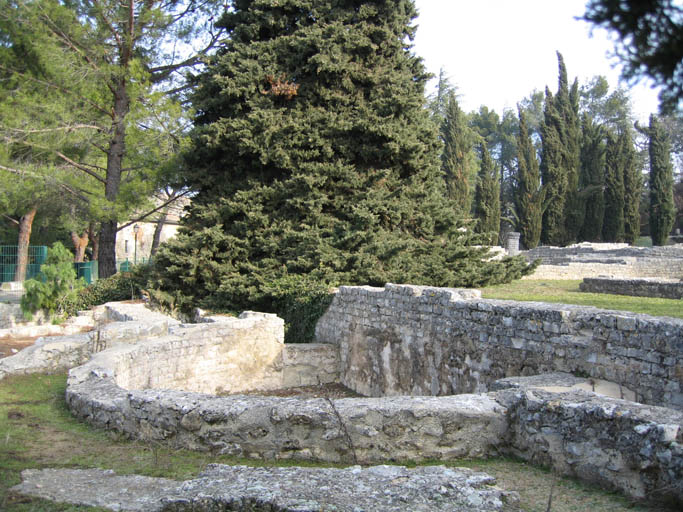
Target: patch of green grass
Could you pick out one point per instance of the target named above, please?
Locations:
(37, 431)
(567, 292)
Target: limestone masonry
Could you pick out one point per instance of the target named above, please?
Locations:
(147, 377)
(613, 260)
(218, 487)
(409, 340)
(644, 287)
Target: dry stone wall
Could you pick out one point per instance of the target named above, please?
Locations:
(643, 287)
(612, 260)
(404, 339)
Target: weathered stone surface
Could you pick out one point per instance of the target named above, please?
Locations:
(562, 382)
(371, 430)
(354, 489)
(630, 447)
(614, 260)
(643, 287)
(10, 315)
(310, 364)
(59, 353)
(404, 339)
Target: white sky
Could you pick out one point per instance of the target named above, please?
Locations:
(498, 51)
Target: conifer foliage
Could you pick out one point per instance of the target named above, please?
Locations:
(662, 210)
(487, 198)
(529, 195)
(313, 155)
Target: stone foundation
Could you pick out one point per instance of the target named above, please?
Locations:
(408, 340)
(612, 260)
(248, 489)
(659, 288)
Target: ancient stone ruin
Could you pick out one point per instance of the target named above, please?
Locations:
(592, 393)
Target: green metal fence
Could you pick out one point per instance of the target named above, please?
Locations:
(88, 270)
(37, 254)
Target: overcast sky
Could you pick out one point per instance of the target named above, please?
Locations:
(497, 51)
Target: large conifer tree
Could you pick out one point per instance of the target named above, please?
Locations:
(457, 159)
(528, 193)
(662, 210)
(487, 198)
(592, 179)
(613, 225)
(313, 154)
(633, 187)
(560, 161)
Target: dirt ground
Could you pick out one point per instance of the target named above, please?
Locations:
(10, 346)
(323, 391)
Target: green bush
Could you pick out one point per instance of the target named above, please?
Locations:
(120, 286)
(300, 300)
(55, 287)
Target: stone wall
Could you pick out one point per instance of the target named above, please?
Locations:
(621, 445)
(10, 315)
(660, 288)
(405, 339)
(613, 260)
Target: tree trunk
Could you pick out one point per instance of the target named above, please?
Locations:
(25, 226)
(115, 153)
(157, 231)
(80, 243)
(95, 238)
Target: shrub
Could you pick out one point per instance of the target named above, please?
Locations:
(120, 286)
(55, 287)
(300, 300)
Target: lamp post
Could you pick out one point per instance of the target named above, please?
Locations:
(136, 230)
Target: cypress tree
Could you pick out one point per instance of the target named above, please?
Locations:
(633, 187)
(592, 179)
(613, 225)
(313, 155)
(662, 210)
(552, 175)
(560, 136)
(487, 198)
(457, 159)
(528, 193)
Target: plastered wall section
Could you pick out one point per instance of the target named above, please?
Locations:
(403, 339)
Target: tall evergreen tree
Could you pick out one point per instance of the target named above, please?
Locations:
(487, 198)
(592, 179)
(313, 155)
(458, 160)
(662, 210)
(560, 135)
(529, 195)
(613, 225)
(633, 186)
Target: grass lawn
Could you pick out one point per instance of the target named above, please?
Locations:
(567, 292)
(37, 431)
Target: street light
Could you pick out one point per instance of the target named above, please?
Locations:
(136, 230)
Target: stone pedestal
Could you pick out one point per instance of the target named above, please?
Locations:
(512, 243)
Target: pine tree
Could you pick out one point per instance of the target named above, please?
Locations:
(528, 193)
(560, 161)
(313, 155)
(633, 187)
(592, 179)
(662, 210)
(487, 198)
(458, 160)
(613, 224)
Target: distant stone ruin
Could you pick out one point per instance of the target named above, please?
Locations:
(606, 260)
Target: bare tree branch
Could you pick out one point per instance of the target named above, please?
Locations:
(142, 217)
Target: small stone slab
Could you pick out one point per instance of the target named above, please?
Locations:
(294, 489)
